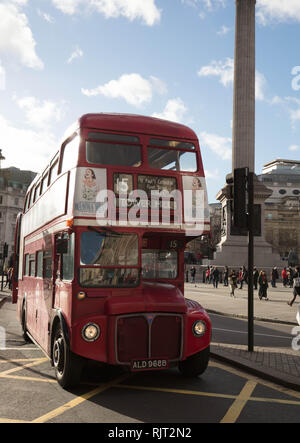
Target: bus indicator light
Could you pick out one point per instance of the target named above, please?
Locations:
(81, 295)
(70, 223)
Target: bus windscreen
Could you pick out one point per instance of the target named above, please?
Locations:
(108, 259)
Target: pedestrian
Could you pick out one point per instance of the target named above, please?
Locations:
(274, 277)
(232, 283)
(296, 285)
(9, 277)
(207, 274)
(263, 285)
(226, 275)
(290, 274)
(255, 277)
(242, 276)
(193, 274)
(215, 276)
(284, 277)
(187, 275)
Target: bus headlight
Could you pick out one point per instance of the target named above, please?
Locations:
(199, 328)
(90, 332)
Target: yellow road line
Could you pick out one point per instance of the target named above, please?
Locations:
(77, 401)
(19, 377)
(20, 368)
(238, 405)
(19, 360)
(259, 380)
(177, 391)
(9, 420)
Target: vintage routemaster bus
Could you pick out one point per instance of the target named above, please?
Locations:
(99, 248)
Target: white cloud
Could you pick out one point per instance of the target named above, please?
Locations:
(145, 10)
(133, 88)
(223, 31)
(25, 149)
(16, 37)
(212, 175)
(222, 146)
(76, 54)
(2, 78)
(174, 110)
(41, 114)
(260, 84)
(46, 16)
(291, 105)
(209, 5)
(294, 148)
(225, 71)
(278, 11)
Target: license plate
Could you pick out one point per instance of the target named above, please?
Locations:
(149, 364)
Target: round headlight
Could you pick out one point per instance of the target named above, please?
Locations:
(90, 332)
(199, 328)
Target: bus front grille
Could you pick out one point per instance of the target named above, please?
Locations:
(144, 336)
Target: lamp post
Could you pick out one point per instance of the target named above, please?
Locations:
(1, 157)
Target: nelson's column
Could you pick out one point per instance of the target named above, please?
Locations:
(233, 247)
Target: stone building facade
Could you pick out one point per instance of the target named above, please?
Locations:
(282, 208)
(13, 185)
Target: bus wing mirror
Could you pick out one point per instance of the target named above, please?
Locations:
(61, 245)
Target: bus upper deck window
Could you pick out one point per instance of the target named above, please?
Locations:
(174, 155)
(113, 149)
(172, 159)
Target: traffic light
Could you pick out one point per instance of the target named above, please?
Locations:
(5, 250)
(240, 177)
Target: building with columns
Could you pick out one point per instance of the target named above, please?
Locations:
(13, 185)
(282, 207)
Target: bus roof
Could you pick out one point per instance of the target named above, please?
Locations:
(137, 124)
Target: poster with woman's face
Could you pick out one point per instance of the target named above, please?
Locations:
(89, 182)
(195, 198)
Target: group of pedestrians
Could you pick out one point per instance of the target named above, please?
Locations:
(236, 279)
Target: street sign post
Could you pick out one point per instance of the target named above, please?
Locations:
(243, 218)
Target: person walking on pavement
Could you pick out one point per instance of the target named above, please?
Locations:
(215, 276)
(290, 275)
(207, 274)
(232, 283)
(274, 277)
(284, 277)
(255, 277)
(242, 276)
(226, 275)
(263, 285)
(296, 285)
(193, 274)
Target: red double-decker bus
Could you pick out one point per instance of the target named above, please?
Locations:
(99, 248)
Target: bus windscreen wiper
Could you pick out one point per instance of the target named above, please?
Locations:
(103, 228)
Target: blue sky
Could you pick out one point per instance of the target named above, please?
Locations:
(173, 59)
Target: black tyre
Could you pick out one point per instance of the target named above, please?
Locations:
(24, 328)
(67, 366)
(196, 364)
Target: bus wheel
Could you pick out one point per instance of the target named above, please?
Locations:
(24, 328)
(195, 365)
(68, 366)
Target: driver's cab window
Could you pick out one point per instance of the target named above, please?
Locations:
(158, 263)
(65, 251)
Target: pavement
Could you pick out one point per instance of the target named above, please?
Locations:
(279, 365)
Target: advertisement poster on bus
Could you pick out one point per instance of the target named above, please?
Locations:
(89, 182)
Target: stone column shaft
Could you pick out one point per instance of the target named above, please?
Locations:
(243, 137)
